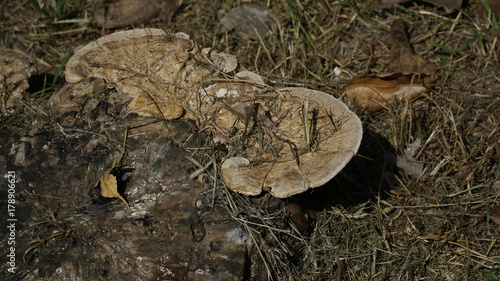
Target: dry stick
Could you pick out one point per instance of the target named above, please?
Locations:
(215, 175)
(200, 167)
(118, 160)
(63, 130)
(245, 81)
(212, 64)
(305, 119)
(340, 268)
(29, 106)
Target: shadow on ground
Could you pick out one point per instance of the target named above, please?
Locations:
(368, 176)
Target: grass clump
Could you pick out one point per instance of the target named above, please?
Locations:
(58, 10)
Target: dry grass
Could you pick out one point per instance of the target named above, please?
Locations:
(378, 223)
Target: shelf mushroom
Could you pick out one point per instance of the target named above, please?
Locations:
(16, 67)
(145, 64)
(284, 141)
(301, 140)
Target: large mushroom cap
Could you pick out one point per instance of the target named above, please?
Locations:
(309, 137)
(145, 64)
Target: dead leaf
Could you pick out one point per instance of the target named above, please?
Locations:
(447, 4)
(375, 92)
(407, 161)
(124, 13)
(411, 166)
(297, 215)
(494, 6)
(402, 57)
(109, 186)
(495, 214)
(411, 76)
(247, 21)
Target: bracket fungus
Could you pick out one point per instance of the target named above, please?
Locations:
(16, 67)
(145, 64)
(284, 141)
(287, 141)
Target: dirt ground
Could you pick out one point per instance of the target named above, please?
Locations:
(377, 219)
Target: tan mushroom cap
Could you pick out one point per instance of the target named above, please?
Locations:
(337, 136)
(143, 63)
(16, 67)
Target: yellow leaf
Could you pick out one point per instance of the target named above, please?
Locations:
(109, 186)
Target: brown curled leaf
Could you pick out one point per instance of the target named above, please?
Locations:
(495, 215)
(375, 92)
(410, 76)
(402, 56)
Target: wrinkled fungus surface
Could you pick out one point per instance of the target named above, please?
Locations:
(145, 64)
(287, 143)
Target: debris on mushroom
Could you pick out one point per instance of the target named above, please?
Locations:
(225, 62)
(244, 81)
(212, 103)
(289, 142)
(16, 67)
(249, 76)
(145, 64)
